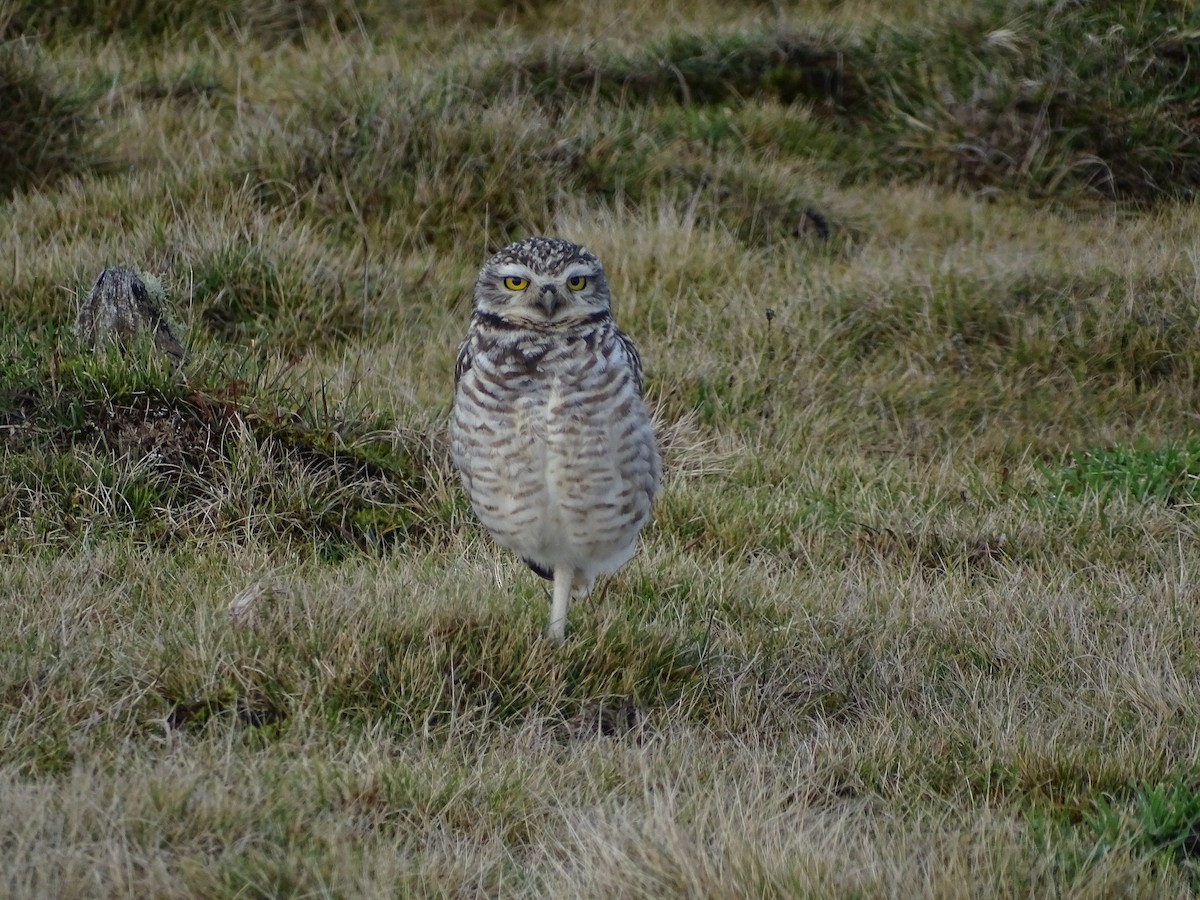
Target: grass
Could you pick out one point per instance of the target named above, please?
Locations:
(915, 292)
(109, 442)
(1167, 473)
(48, 130)
(995, 96)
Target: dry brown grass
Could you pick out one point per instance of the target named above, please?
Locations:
(916, 613)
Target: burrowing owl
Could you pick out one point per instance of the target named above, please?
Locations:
(549, 430)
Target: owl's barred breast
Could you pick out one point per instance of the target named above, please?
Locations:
(555, 446)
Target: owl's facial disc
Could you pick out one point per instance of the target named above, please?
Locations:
(548, 297)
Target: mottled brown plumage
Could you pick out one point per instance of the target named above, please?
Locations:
(549, 432)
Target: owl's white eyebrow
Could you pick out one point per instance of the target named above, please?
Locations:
(578, 269)
(520, 270)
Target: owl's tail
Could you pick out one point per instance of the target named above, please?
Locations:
(564, 576)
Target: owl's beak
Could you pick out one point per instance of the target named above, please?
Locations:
(550, 300)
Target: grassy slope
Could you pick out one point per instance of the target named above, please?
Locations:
(916, 614)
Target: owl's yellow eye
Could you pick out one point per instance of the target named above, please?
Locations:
(576, 283)
(514, 283)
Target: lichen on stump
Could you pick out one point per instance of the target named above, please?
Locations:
(123, 308)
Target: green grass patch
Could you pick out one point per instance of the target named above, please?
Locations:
(1161, 821)
(1142, 472)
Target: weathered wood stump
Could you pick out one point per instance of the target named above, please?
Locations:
(124, 309)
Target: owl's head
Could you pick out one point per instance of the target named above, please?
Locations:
(542, 283)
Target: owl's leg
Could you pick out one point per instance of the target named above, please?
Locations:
(557, 629)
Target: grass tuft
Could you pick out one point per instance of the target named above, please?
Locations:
(110, 441)
(47, 130)
(271, 296)
(1049, 98)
